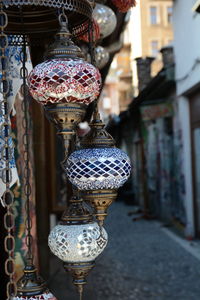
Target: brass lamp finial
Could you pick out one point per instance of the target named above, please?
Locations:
(77, 213)
(79, 272)
(100, 200)
(30, 283)
(65, 116)
(63, 46)
(98, 137)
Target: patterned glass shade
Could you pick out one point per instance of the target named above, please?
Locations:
(105, 18)
(92, 169)
(124, 5)
(101, 57)
(77, 243)
(44, 296)
(64, 80)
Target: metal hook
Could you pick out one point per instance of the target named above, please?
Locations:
(63, 20)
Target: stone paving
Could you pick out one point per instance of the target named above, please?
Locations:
(141, 262)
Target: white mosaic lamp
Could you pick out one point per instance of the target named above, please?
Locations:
(101, 57)
(99, 169)
(105, 18)
(78, 241)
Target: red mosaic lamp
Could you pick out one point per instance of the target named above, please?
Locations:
(124, 5)
(65, 84)
(65, 77)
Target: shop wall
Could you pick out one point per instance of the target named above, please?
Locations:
(186, 25)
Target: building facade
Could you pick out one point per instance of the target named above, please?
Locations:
(148, 30)
(186, 22)
(152, 30)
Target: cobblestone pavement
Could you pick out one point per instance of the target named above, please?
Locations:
(141, 262)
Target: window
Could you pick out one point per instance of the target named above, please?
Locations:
(154, 48)
(169, 15)
(153, 15)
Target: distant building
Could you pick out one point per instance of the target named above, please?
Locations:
(152, 30)
(149, 29)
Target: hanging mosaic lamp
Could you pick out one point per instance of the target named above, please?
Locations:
(105, 18)
(65, 84)
(99, 169)
(101, 57)
(124, 5)
(77, 241)
(32, 287)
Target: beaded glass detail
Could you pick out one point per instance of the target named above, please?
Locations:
(44, 296)
(64, 80)
(92, 169)
(77, 243)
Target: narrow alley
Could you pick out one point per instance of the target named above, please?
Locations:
(140, 262)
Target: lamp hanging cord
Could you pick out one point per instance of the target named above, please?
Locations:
(26, 144)
(80, 290)
(81, 296)
(6, 156)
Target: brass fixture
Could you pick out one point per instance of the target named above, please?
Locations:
(100, 200)
(30, 283)
(66, 116)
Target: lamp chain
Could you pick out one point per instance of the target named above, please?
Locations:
(6, 156)
(26, 144)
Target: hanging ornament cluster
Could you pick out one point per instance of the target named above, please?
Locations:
(124, 5)
(97, 170)
(65, 84)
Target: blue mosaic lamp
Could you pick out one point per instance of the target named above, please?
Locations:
(98, 169)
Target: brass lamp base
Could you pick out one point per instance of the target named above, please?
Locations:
(66, 117)
(79, 272)
(30, 284)
(100, 200)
